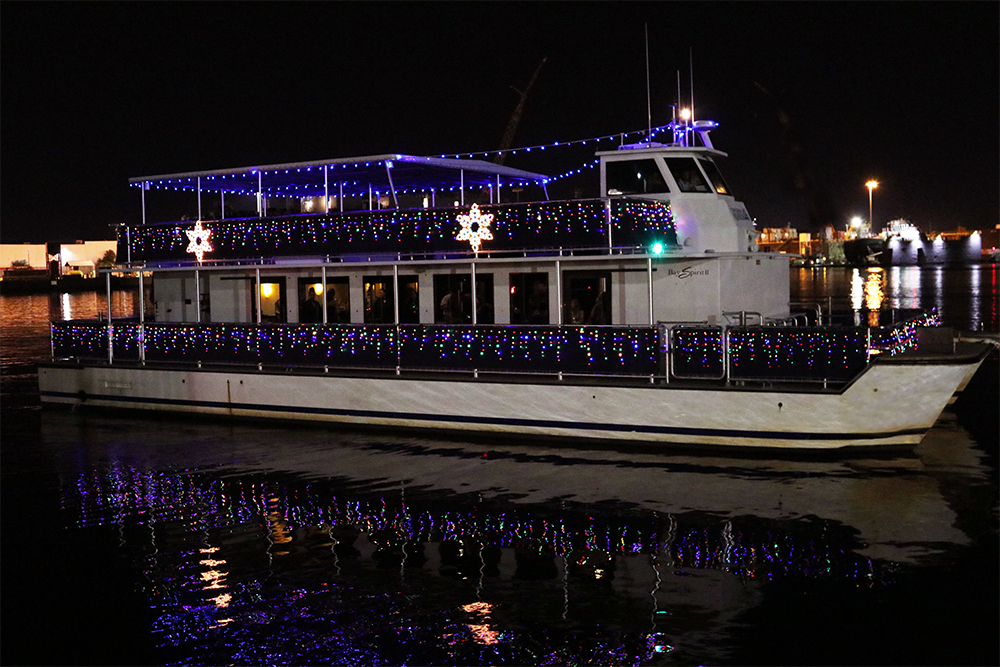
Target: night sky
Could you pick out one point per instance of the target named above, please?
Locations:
(812, 99)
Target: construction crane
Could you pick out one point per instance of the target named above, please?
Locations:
(515, 118)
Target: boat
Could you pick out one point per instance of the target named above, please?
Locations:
(452, 294)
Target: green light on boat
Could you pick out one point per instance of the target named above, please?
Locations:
(657, 248)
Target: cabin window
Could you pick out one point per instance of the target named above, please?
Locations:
(689, 178)
(311, 296)
(272, 300)
(715, 176)
(379, 307)
(409, 300)
(586, 297)
(634, 177)
(453, 298)
(529, 298)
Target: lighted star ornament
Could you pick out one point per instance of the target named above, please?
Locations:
(199, 237)
(482, 223)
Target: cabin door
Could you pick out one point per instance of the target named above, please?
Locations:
(273, 299)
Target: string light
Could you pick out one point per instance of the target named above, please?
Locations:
(579, 223)
(754, 352)
(560, 144)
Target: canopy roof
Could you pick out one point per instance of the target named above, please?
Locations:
(402, 173)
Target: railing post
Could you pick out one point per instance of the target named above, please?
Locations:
(474, 322)
(142, 320)
(607, 211)
(649, 273)
(725, 353)
(111, 329)
(667, 351)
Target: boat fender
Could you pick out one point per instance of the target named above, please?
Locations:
(82, 394)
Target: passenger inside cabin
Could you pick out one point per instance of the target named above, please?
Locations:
(409, 305)
(311, 310)
(597, 313)
(575, 313)
(688, 181)
(451, 307)
(538, 303)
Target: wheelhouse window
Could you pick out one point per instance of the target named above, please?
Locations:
(453, 299)
(529, 298)
(634, 177)
(379, 300)
(586, 297)
(715, 176)
(689, 178)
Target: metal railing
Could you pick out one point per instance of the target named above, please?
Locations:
(665, 352)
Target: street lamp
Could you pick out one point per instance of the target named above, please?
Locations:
(871, 185)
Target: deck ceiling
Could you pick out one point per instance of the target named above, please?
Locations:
(354, 175)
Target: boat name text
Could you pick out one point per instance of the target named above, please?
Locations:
(687, 272)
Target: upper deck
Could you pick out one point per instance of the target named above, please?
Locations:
(653, 198)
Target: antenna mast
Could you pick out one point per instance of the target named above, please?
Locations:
(691, 77)
(649, 106)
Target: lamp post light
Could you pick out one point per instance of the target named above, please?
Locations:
(871, 185)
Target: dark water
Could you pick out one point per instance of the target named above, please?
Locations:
(174, 541)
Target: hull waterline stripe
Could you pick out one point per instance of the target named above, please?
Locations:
(495, 421)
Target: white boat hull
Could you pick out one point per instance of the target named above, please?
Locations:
(890, 404)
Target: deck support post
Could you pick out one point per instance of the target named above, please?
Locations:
(461, 186)
(395, 294)
(257, 296)
(260, 196)
(197, 295)
(323, 274)
(326, 194)
(392, 188)
(395, 311)
(649, 272)
(559, 307)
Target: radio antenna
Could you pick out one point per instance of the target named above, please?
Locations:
(691, 77)
(649, 106)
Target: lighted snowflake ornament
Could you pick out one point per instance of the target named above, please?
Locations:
(482, 231)
(198, 238)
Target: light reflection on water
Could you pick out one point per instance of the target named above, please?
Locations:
(408, 550)
(966, 297)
